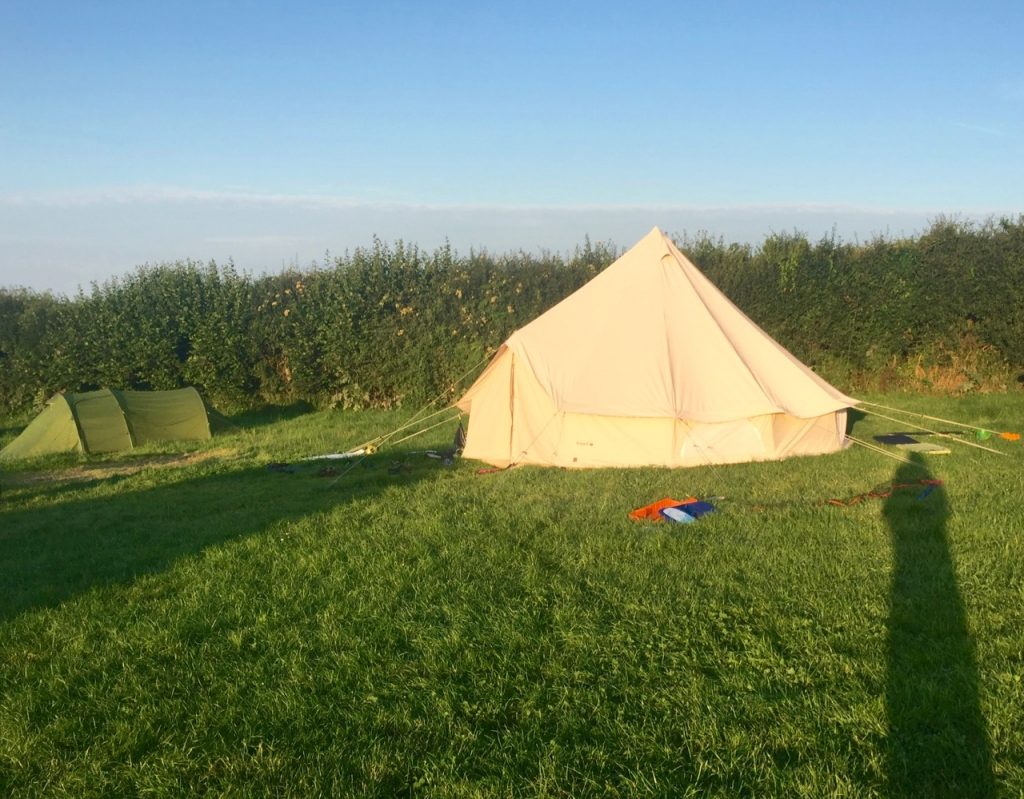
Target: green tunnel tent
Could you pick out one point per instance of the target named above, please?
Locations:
(110, 421)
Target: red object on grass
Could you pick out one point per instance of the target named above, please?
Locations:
(651, 512)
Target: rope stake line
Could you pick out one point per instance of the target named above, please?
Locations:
(886, 492)
(933, 432)
(385, 437)
(373, 450)
(879, 450)
(1005, 436)
(427, 429)
(375, 443)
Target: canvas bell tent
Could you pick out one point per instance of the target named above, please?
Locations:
(109, 421)
(648, 364)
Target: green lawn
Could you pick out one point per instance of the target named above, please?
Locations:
(219, 628)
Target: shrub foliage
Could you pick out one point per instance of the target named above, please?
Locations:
(392, 324)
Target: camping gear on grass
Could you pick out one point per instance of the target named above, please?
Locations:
(648, 364)
(910, 444)
(688, 512)
(673, 510)
(895, 438)
(652, 512)
(981, 433)
(925, 447)
(109, 420)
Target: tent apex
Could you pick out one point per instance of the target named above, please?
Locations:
(659, 235)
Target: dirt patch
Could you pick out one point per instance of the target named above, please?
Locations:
(77, 474)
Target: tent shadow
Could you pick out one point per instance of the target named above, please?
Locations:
(59, 551)
(259, 417)
(11, 429)
(938, 742)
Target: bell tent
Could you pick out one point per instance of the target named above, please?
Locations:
(648, 364)
(109, 421)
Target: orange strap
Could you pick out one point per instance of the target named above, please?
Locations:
(650, 512)
(880, 493)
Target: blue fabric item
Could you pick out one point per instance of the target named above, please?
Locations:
(698, 509)
(690, 510)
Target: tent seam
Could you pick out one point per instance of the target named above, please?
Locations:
(124, 416)
(728, 338)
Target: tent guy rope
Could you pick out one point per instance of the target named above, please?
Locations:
(375, 443)
(933, 432)
(879, 450)
(1004, 435)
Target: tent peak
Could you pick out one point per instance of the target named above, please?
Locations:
(658, 235)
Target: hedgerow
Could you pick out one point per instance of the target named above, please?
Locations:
(372, 329)
(393, 324)
(949, 302)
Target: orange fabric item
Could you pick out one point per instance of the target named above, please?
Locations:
(650, 512)
(1010, 436)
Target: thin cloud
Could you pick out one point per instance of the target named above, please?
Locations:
(269, 240)
(62, 240)
(156, 195)
(1012, 90)
(152, 195)
(981, 129)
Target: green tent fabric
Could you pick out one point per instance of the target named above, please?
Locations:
(110, 421)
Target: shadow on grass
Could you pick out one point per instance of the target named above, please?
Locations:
(938, 740)
(8, 429)
(258, 417)
(56, 552)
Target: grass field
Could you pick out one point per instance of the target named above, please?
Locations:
(207, 626)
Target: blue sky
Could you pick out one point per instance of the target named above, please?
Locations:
(271, 132)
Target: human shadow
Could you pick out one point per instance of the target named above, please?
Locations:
(54, 552)
(938, 742)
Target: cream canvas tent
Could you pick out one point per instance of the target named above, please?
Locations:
(648, 364)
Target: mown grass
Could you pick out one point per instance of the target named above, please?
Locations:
(224, 629)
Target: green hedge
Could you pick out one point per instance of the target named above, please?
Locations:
(952, 297)
(382, 326)
(392, 324)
